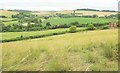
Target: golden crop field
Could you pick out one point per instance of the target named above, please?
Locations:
(7, 13)
(96, 12)
(81, 51)
(77, 12)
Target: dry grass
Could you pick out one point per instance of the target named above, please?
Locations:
(62, 52)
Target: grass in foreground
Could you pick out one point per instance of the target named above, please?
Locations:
(73, 51)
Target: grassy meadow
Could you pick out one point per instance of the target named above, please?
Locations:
(81, 51)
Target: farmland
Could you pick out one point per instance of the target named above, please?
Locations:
(56, 21)
(7, 13)
(63, 52)
(77, 12)
(65, 40)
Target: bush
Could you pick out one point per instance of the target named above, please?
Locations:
(91, 27)
(73, 29)
(105, 27)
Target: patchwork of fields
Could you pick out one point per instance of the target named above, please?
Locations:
(73, 51)
(83, 49)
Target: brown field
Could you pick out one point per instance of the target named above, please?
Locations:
(79, 12)
(7, 13)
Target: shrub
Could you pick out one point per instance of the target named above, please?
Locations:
(73, 29)
(105, 27)
(91, 27)
(74, 23)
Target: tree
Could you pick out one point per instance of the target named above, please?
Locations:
(73, 29)
(48, 24)
(74, 23)
(91, 27)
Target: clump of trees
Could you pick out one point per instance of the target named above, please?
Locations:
(38, 26)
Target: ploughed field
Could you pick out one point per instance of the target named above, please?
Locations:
(87, 50)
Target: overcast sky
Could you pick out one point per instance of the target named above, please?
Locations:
(59, 4)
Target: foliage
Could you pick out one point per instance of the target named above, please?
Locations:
(73, 29)
(91, 27)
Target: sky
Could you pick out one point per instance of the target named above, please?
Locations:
(59, 4)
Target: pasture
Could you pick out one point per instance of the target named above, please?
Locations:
(89, 50)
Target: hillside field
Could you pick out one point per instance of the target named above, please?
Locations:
(77, 12)
(59, 21)
(7, 13)
(89, 50)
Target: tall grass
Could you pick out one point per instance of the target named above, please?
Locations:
(73, 51)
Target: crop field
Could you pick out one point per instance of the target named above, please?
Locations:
(77, 12)
(7, 13)
(59, 21)
(81, 51)
(96, 12)
(56, 21)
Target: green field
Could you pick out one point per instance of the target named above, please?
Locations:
(6, 19)
(11, 22)
(10, 35)
(59, 21)
(91, 50)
